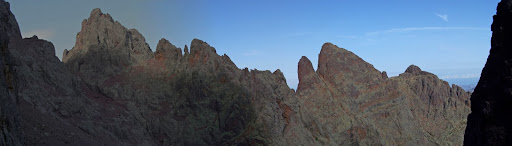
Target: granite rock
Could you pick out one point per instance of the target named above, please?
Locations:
(8, 24)
(107, 43)
(10, 130)
(348, 102)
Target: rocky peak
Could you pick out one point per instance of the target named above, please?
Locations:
(413, 69)
(277, 72)
(202, 52)
(101, 33)
(185, 50)
(339, 66)
(166, 50)
(164, 45)
(326, 60)
(306, 73)
(105, 48)
(198, 45)
(384, 75)
(97, 15)
(305, 68)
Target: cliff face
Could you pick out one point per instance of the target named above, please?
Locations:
(347, 101)
(111, 89)
(105, 48)
(489, 121)
(168, 98)
(9, 127)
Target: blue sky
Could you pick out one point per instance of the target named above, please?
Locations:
(450, 38)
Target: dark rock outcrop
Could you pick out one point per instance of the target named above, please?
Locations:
(490, 122)
(52, 102)
(8, 24)
(10, 133)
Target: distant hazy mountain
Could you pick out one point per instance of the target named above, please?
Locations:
(468, 88)
(467, 84)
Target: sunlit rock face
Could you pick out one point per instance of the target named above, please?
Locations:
(348, 101)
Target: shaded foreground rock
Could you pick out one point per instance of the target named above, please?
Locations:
(490, 122)
(9, 126)
(111, 89)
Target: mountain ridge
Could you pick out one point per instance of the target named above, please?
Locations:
(111, 89)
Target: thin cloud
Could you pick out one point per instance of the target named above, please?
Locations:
(397, 30)
(296, 34)
(40, 33)
(252, 53)
(443, 16)
(465, 76)
(347, 36)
